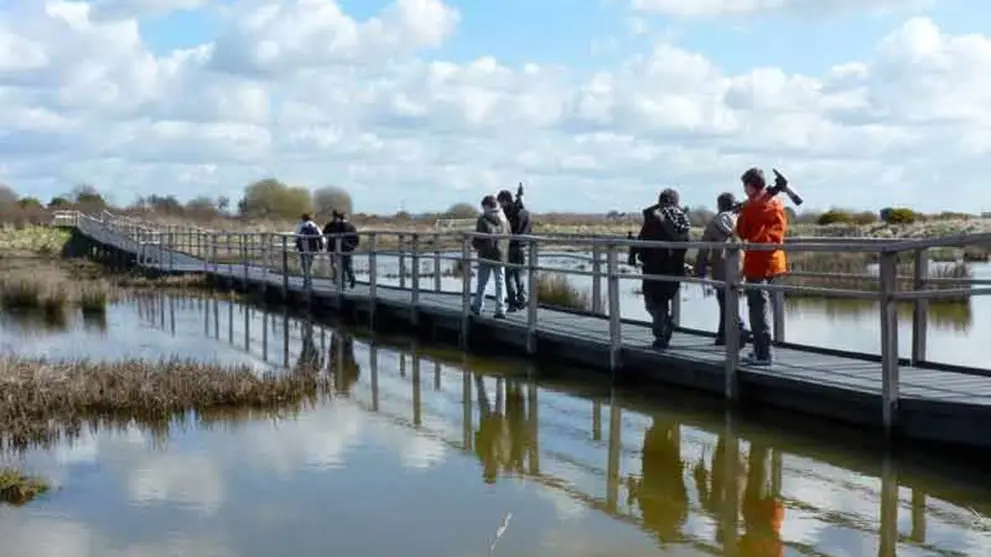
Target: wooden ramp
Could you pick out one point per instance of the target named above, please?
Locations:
(937, 402)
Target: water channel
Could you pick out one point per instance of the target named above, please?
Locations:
(427, 452)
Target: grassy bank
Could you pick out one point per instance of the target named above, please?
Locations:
(42, 400)
(18, 488)
(555, 290)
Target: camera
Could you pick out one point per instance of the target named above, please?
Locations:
(780, 185)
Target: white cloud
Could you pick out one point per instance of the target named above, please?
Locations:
(699, 8)
(303, 91)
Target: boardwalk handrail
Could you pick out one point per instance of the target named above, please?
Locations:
(273, 250)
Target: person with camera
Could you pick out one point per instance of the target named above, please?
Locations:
(720, 229)
(663, 222)
(519, 224)
(762, 220)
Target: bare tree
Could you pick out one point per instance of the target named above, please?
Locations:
(332, 198)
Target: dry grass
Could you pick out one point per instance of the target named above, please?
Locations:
(41, 401)
(553, 289)
(826, 264)
(18, 488)
(33, 283)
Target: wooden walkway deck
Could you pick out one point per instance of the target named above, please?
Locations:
(937, 403)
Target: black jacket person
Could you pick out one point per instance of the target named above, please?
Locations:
(519, 225)
(664, 222)
(349, 241)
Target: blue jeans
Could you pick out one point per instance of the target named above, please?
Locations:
(488, 269)
(306, 263)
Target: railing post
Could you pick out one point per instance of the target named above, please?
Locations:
(285, 267)
(244, 253)
(214, 246)
(172, 248)
(920, 311)
(778, 313)
(615, 313)
(465, 289)
(731, 320)
(437, 265)
(414, 302)
(372, 278)
(400, 249)
(532, 303)
(597, 280)
(676, 309)
(889, 339)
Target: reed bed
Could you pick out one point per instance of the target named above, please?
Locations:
(18, 488)
(825, 268)
(41, 400)
(45, 286)
(554, 289)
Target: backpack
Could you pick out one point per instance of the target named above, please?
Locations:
(311, 235)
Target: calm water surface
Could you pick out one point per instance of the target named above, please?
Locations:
(426, 453)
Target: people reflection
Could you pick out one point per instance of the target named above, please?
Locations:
(719, 486)
(309, 359)
(343, 365)
(502, 437)
(660, 491)
(762, 512)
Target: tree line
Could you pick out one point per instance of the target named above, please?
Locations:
(271, 199)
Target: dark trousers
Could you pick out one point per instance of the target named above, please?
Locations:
(515, 293)
(347, 268)
(759, 306)
(658, 305)
(721, 331)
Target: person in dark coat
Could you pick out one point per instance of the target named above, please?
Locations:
(519, 224)
(663, 222)
(340, 225)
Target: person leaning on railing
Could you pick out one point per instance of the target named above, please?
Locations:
(762, 220)
(720, 229)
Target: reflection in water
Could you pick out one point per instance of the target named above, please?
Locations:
(344, 366)
(955, 316)
(661, 491)
(401, 448)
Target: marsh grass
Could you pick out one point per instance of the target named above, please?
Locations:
(42, 400)
(829, 265)
(553, 289)
(18, 488)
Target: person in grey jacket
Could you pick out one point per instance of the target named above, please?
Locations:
(492, 255)
(713, 261)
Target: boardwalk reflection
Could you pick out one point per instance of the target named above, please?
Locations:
(663, 483)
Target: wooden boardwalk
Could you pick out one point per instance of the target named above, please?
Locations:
(936, 402)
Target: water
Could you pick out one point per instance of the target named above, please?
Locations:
(426, 452)
(834, 323)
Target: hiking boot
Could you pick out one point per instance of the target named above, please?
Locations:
(499, 316)
(659, 344)
(757, 361)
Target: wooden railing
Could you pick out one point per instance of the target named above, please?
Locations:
(177, 246)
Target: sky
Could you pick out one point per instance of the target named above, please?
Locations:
(595, 105)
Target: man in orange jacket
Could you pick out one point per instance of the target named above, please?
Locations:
(762, 220)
